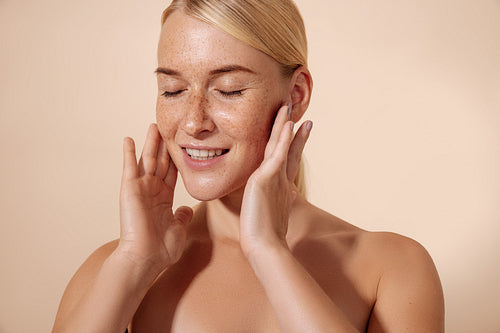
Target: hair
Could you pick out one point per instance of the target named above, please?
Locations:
(274, 27)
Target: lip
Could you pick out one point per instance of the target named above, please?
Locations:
(201, 147)
(200, 165)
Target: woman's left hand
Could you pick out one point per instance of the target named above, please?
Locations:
(270, 191)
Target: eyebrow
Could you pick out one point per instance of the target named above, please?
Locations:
(222, 70)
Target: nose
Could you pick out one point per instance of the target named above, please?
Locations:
(196, 118)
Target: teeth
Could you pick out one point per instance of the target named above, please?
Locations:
(203, 154)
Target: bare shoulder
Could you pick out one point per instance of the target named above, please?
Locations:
(382, 252)
(83, 278)
(386, 250)
(90, 267)
(409, 292)
(395, 273)
(392, 250)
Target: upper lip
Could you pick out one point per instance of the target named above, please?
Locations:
(202, 147)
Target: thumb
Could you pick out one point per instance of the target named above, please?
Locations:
(175, 237)
(183, 214)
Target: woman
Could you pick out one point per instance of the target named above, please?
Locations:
(254, 255)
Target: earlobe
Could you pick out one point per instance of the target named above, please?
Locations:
(301, 86)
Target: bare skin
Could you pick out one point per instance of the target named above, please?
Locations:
(254, 256)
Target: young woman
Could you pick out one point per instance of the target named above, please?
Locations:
(254, 255)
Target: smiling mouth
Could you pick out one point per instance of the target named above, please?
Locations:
(205, 154)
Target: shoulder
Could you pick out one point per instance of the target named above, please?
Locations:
(89, 269)
(393, 249)
(398, 272)
(91, 266)
(398, 258)
(384, 249)
(83, 278)
(379, 252)
(409, 293)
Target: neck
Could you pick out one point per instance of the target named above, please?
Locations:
(223, 217)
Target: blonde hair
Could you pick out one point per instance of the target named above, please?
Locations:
(274, 27)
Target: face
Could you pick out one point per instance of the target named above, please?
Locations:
(217, 99)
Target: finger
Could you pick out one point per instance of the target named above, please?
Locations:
(162, 160)
(175, 238)
(171, 176)
(183, 214)
(130, 170)
(175, 241)
(281, 119)
(279, 156)
(147, 163)
(296, 148)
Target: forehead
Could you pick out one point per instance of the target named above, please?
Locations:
(186, 42)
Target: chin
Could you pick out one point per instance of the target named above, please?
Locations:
(202, 195)
(210, 189)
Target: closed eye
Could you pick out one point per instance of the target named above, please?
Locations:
(171, 93)
(233, 93)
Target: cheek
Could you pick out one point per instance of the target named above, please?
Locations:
(250, 120)
(167, 121)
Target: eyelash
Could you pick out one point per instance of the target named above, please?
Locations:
(234, 93)
(228, 94)
(171, 93)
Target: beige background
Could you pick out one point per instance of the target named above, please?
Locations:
(407, 136)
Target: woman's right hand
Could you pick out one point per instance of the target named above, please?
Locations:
(151, 234)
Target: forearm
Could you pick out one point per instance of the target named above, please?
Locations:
(112, 298)
(299, 302)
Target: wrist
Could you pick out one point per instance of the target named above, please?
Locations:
(142, 269)
(263, 251)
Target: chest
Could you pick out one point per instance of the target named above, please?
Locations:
(220, 301)
(215, 290)
(208, 290)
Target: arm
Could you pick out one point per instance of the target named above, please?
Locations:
(107, 290)
(299, 302)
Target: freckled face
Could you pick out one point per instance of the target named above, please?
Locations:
(217, 96)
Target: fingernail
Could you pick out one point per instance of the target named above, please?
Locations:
(292, 125)
(289, 109)
(309, 126)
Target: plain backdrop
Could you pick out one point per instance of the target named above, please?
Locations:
(406, 137)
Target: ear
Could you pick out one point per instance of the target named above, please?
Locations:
(300, 90)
